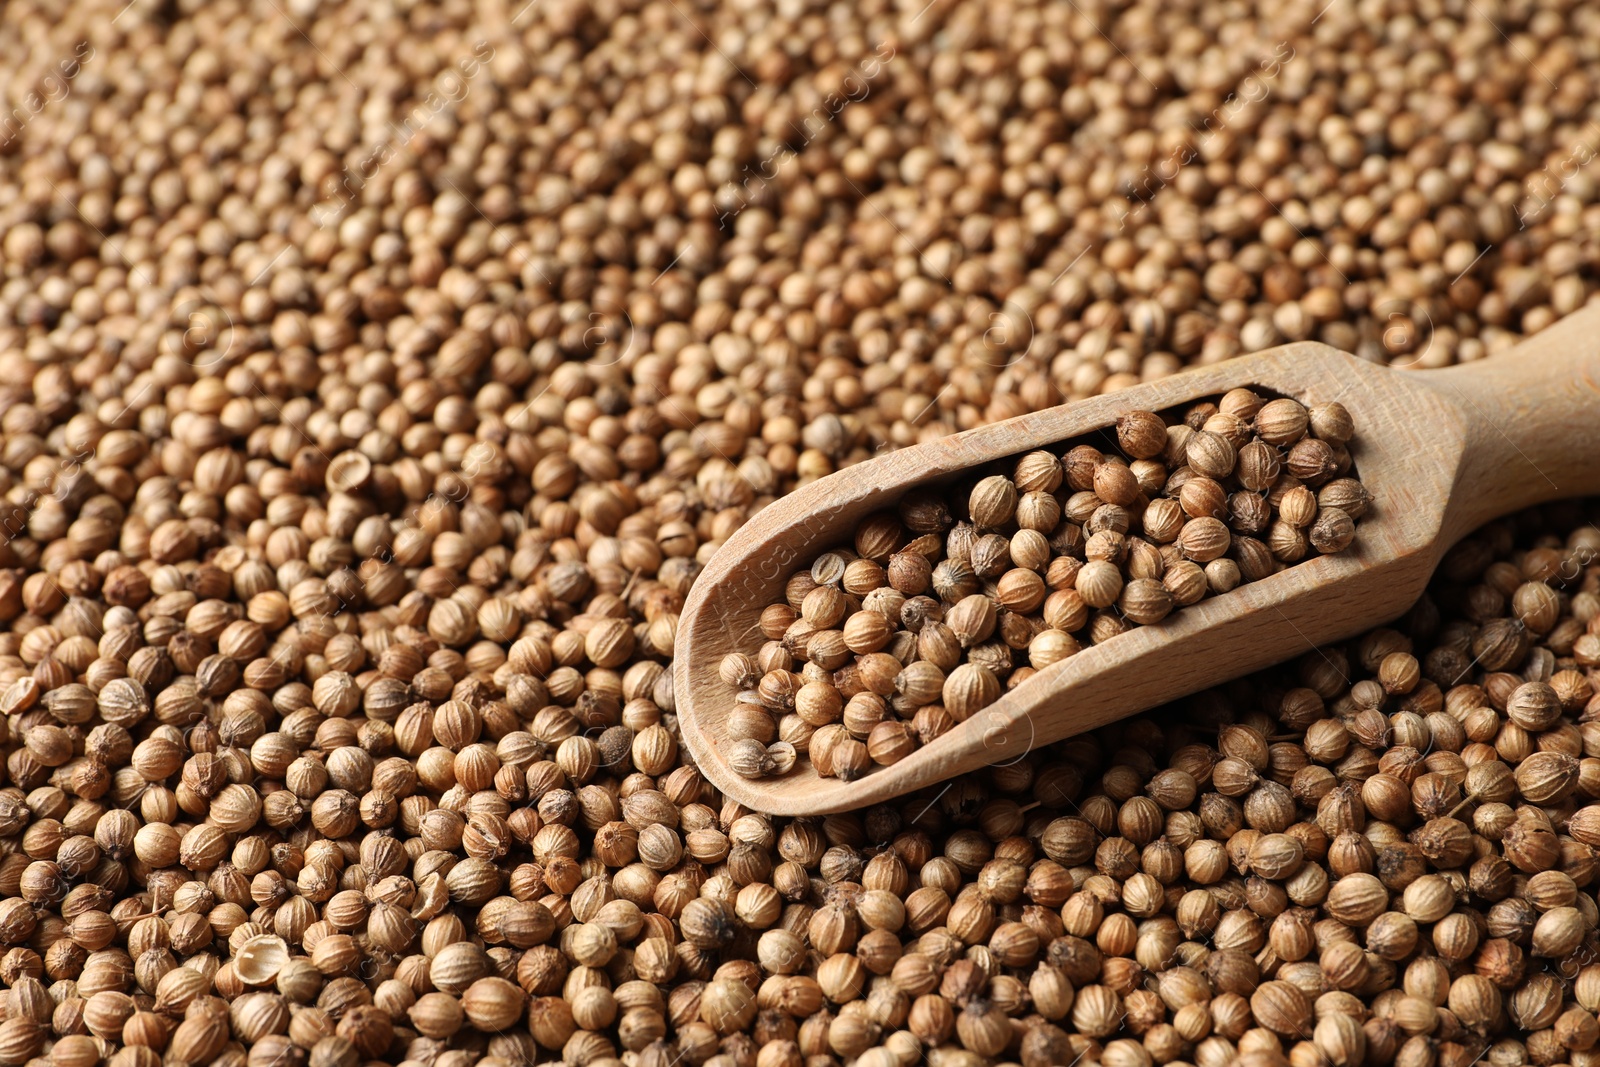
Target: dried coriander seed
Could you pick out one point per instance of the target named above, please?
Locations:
(381, 477)
(1058, 552)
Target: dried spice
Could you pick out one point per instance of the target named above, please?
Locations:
(945, 602)
(373, 388)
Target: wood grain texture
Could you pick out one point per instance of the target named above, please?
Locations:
(1533, 422)
(1441, 452)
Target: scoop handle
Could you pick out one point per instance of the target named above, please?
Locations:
(1533, 421)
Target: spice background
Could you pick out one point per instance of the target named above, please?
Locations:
(375, 379)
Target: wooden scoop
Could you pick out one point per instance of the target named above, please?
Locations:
(1441, 451)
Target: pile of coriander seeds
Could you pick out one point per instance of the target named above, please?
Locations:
(957, 595)
(375, 382)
